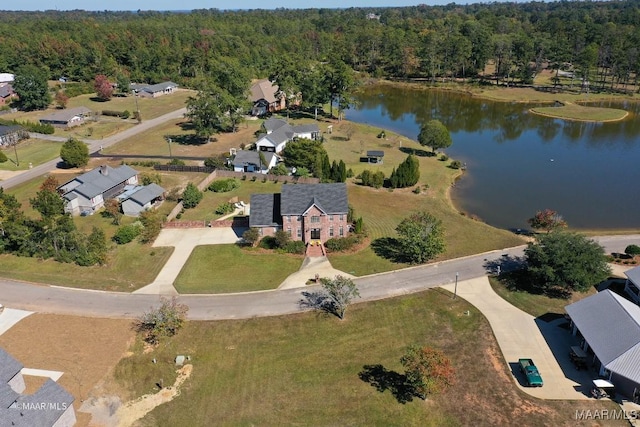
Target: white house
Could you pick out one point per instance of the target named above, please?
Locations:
(249, 161)
(88, 192)
(279, 132)
(67, 118)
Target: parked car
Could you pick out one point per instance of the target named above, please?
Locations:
(578, 357)
(534, 379)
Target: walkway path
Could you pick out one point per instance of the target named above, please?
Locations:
(311, 266)
(520, 335)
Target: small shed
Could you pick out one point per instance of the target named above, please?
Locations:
(373, 156)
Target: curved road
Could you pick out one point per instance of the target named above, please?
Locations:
(52, 299)
(94, 146)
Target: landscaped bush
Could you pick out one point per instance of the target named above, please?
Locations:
(191, 196)
(223, 185)
(30, 126)
(342, 243)
(113, 113)
(144, 163)
(225, 208)
(268, 242)
(371, 179)
(126, 234)
(456, 164)
(176, 162)
(295, 247)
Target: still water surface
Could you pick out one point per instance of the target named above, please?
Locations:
(518, 162)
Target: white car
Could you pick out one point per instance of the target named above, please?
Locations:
(1, 308)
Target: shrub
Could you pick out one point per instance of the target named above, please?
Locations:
(125, 114)
(3, 157)
(342, 243)
(268, 242)
(191, 196)
(176, 162)
(417, 190)
(295, 247)
(251, 236)
(163, 321)
(225, 208)
(456, 164)
(253, 179)
(223, 185)
(444, 158)
(126, 234)
(173, 195)
(73, 89)
(264, 179)
(632, 250)
(150, 178)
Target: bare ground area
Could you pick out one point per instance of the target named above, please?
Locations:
(85, 349)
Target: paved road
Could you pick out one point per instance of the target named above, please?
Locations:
(50, 299)
(94, 146)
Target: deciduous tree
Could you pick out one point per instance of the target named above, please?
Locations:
(61, 99)
(31, 86)
(163, 321)
(428, 371)
(559, 263)
(421, 237)
(74, 153)
(191, 196)
(103, 87)
(435, 135)
(547, 220)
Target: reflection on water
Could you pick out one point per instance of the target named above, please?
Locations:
(519, 162)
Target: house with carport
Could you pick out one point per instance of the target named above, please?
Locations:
(249, 161)
(50, 406)
(154, 91)
(313, 213)
(139, 198)
(278, 132)
(609, 326)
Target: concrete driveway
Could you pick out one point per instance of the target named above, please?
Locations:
(520, 335)
(183, 241)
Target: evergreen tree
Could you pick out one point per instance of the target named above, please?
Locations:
(31, 86)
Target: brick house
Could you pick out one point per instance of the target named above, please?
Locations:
(307, 212)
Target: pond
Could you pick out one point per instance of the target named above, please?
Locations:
(519, 162)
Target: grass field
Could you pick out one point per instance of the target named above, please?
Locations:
(30, 151)
(304, 370)
(571, 111)
(228, 268)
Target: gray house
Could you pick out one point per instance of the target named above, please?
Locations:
(11, 135)
(49, 406)
(89, 191)
(154, 91)
(632, 285)
(67, 118)
(138, 199)
(610, 327)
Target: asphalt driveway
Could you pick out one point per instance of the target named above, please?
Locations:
(521, 335)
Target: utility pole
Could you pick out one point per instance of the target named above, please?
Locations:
(455, 289)
(169, 142)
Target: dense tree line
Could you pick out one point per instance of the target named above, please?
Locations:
(598, 40)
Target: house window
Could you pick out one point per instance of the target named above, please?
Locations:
(260, 229)
(341, 231)
(341, 217)
(289, 231)
(331, 231)
(299, 233)
(288, 218)
(331, 217)
(315, 219)
(299, 218)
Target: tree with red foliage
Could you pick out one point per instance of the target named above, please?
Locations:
(61, 99)
(428, 370)
(103, 87)
(547, 220)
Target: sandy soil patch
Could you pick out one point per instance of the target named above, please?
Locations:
(108, 411)
(9, 174)
(85, 349)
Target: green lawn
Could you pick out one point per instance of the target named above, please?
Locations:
(532, 303)
(304, 370)
(228, 268)
(30, 151)
(129, 267)
(576, 112)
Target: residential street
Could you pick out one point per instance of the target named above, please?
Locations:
(94, 146)
(51, 299)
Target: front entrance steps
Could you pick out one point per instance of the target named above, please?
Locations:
(315, 249)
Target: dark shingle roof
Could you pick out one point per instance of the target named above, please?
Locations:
(375, 153)
(600, 314)
(6, 91)
(251, 157)
(265, 210)
(6, 130)
(272, 124)
(298, 198)
(9, 366)
(306, 128)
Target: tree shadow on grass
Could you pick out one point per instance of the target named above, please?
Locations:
(318, 301)
(383, 379)
(389, 248)
(417, 152)
(520, 280)
(187, 139)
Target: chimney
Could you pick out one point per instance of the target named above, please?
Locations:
(103, 170)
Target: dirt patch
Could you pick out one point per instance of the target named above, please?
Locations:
(108, 411)
(85, 349)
